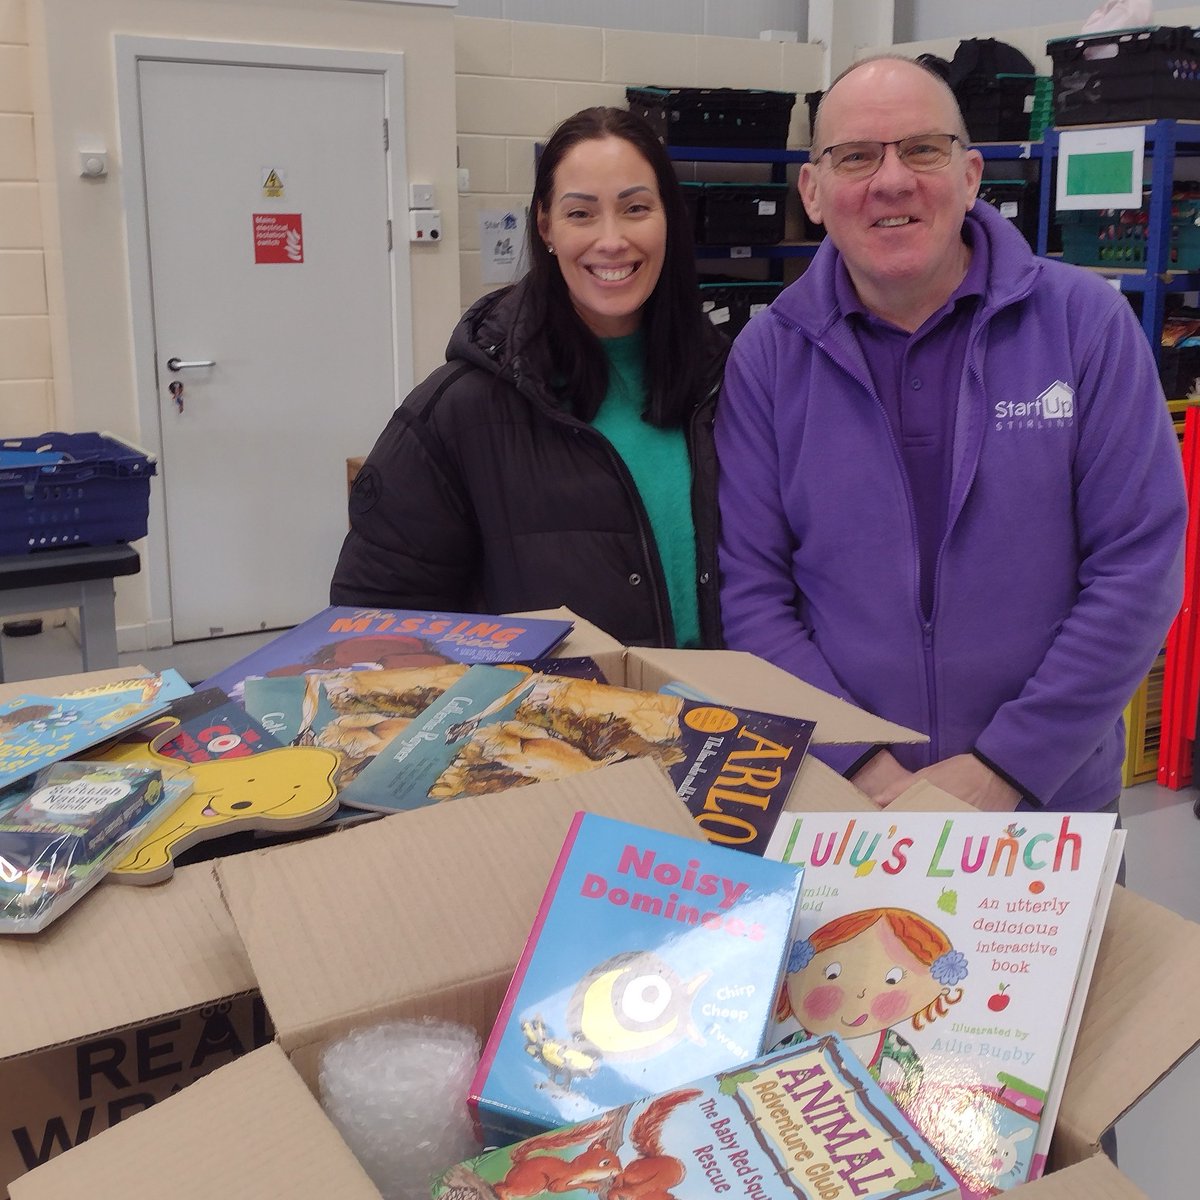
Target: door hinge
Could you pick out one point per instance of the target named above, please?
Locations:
(389, 224)
(387, 145)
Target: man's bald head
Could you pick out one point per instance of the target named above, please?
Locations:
(885, 62)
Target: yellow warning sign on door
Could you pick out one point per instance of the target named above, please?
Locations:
(272, 186)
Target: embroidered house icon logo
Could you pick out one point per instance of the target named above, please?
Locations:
(1058, 402)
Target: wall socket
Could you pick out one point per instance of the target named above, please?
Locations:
(424, 225)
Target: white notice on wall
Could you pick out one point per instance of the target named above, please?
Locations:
(502, 244)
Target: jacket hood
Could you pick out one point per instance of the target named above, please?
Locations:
(491, 332)
(1012, 264)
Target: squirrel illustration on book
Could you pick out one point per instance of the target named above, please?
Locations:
(652, 1173)
(597, 1168)
(535, 1169)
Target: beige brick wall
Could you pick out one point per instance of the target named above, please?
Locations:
(517, 79)
(25, 373)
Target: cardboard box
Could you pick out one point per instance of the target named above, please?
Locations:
(142, 990)
(136, 993)
(441, 937)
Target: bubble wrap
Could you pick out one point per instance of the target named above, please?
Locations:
(397, 1093)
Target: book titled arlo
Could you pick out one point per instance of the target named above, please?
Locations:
(807, 1123)
(654, 959)
(733, 768)
(953, 951)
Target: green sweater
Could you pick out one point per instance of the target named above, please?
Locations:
(658, 461)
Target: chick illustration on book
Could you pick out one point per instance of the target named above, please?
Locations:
(565, 1061)
(634, 1006)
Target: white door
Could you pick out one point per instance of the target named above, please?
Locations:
(267, 205)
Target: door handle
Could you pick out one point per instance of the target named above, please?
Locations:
(178, 364)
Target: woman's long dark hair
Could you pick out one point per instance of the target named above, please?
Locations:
(672, 323)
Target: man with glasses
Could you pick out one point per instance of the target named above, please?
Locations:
(950, 489)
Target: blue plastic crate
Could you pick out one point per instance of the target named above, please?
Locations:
(72, 489)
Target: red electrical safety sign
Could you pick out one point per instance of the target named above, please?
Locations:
(278, 238)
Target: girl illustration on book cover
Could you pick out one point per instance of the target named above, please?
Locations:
(864, 974)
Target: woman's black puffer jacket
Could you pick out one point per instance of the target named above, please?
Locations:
(483, 495)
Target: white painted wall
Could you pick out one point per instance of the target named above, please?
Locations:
(720, 18)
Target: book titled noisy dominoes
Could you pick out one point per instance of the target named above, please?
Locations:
(654, 959)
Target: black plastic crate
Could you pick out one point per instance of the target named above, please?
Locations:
(1017, 201)
(730, 303)
(743, 214)
(72, 489)
(693, 199)
(715, 116)
(1127, 75)
(997, 108)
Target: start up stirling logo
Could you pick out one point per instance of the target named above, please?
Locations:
(1054, 409)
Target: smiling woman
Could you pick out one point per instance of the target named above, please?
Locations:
(563, 456)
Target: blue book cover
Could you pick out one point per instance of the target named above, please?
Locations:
(732, 768)
(39, 728)
(343, 637)
(654, 960)
(808, 1123)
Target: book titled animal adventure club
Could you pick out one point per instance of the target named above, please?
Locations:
(809, 1122)
(953, 951)
(654, 959)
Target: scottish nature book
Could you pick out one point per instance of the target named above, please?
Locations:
(806, 1123)
(63, 828)
(654, 959)
(343, 638)
(37, 729)
(954, 951)
(731, 767)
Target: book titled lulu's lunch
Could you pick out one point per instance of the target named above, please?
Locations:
(653, 959)
(343, 638)
(807, 1123)
(953, 951)
(733, 768)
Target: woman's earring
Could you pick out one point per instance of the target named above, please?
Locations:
(549, 248)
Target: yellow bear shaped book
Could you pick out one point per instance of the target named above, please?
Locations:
(288, 788)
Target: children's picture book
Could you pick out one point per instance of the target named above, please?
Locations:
(653, 959)
(358, 713)
(953, 951)
(281, 789)
(207, 725)
(343, 638)
(201, 727)
(731, 767)
(37, 729)
(62, 828)
(808, 1122)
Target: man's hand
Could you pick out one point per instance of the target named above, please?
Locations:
(967, 778)
(882, 776)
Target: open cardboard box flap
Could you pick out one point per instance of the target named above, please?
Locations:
(1141, 1016)
(747, 681)
(250, 1129)
(422, 912)
(123, 956)
(271, 1139)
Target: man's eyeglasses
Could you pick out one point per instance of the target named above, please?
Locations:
(921, 152)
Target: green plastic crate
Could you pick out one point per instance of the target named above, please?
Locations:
(1117, 237)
